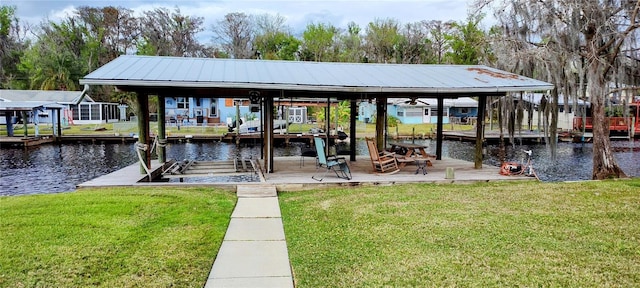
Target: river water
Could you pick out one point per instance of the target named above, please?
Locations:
(60, 167)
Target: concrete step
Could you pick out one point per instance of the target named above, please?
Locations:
(256, 191)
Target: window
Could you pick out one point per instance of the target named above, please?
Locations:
(182, 102)
(400, 113)
(84, 112)
(95, 111)
(434, 112)
(464, 110)
(413, 112)
(213, 108)
(75, 111)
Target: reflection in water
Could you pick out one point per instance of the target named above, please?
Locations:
(573, 162)
(59, 168)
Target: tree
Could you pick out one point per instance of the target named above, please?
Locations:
(273, 40)
(350, 44)
(412, 47)
(318, 39)
(467, 42)
(557, 37)
(114, 30)
(235, 33)
(55, 61)
(438, 40)
(340, 111)
(382, 37)
(171, 33)
(12, 47)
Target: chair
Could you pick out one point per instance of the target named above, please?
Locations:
(308, 152)
(336, 164)
(382, 162)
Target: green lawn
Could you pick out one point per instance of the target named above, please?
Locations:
(525, 234)
(112, 237)
(582, 234)
(123, 128)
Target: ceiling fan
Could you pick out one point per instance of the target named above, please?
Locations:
(412, 101)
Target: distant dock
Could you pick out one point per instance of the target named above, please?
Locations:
(6, 141)
(93, 139)
(492, 137)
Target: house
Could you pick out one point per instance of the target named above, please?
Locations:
(423, 110)
(188, 110)
(86, 112)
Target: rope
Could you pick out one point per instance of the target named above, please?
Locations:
(157, 142)
(143, 147)
(162, 142)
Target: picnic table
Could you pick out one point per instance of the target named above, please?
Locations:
(410, 152)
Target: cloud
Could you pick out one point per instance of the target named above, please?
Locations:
(298, 13)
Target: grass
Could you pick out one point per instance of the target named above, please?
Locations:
(115, 237)
(527, 234)
(487, 234)
(362, 129)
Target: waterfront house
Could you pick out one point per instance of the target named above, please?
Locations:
(77, 109)
(423, 110)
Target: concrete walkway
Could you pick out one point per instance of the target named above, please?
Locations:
(254, 251)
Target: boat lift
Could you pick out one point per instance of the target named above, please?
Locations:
(226, 168)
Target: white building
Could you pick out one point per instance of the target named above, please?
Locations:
(85, 112)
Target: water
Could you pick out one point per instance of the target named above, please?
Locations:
(59, 168)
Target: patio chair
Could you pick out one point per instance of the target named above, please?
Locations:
(308, 152)
(384, 162)
(330, 163)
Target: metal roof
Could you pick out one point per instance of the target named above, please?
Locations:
(66, 97)
(160, 71)
(28, 105)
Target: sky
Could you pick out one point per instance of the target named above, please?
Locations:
(297, 13)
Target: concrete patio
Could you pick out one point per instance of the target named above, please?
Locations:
(290, 175)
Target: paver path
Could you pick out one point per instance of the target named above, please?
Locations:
(254, 251)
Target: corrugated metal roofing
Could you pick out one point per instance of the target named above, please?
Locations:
(158, 71)
(27, 105)
(42, 95)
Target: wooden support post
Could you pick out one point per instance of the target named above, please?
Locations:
(381, 116)
(439, 130)
(9, 121)
(59, 116)
(482, 102)
(25, 121)
(327, 125)
(162, 133)
(352, 129)
(237, 122)
(268, 132)
(143, 129)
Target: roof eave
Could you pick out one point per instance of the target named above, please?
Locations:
(314, 88)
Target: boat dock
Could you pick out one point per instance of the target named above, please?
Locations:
(25, 141)
(228, 137)
(493, 137)
(290, 174)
